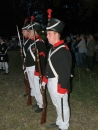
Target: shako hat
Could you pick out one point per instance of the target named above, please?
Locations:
(55, 25)
(26, 24)
(35, 26)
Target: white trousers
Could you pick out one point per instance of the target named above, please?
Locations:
(30, 73)
(38, 94)
(52, 88)
(34, 85)
(5, 66)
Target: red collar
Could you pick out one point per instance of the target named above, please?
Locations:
(32, 39)
(58, 43)
(36, 37)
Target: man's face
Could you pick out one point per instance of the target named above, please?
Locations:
(25, 33)
(31, 34)
(91, 37)
(51, 36)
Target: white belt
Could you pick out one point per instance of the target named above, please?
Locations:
(31, 51)
(50, 63)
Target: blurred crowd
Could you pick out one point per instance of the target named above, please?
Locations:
(83, 47)
(12, 44)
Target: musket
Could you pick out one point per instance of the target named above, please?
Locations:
(20, 44)
(43, 116)
(27, 85)
(19, 36)
(28, 90)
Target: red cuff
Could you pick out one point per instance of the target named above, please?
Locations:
(61, 90)
(45, 79)
(36, 73)
(42, 54)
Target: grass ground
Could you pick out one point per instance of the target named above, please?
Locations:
(16, 115)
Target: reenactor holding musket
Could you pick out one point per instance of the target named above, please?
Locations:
(23, 49)
(25, 45)
(31, 62)
(58, 72)
(25, 38)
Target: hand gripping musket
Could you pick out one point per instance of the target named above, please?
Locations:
(29, 102)
(43, 116)
(19, 37)
(28, 89)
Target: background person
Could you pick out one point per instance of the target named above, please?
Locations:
(91, 53)
(3, 55)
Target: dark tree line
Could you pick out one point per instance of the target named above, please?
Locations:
(78, 15)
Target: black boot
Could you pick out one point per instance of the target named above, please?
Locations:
(35, 106)
(53, 125)
(25, 95)
(38, 110)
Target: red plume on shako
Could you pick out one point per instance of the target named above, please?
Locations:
(35, 25)
(54, 24)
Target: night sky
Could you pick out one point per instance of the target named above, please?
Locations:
(78, 16)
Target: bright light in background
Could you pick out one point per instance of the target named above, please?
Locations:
(43, 31)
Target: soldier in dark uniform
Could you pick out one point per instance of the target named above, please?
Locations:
(58, 73)
(26, 39)
(4, 55)
(25, 46)
(32, 65)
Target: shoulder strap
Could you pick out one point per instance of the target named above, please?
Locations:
(50, 63)
(56, 50)
(26, 41)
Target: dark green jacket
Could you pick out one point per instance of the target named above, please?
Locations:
(90, 48)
